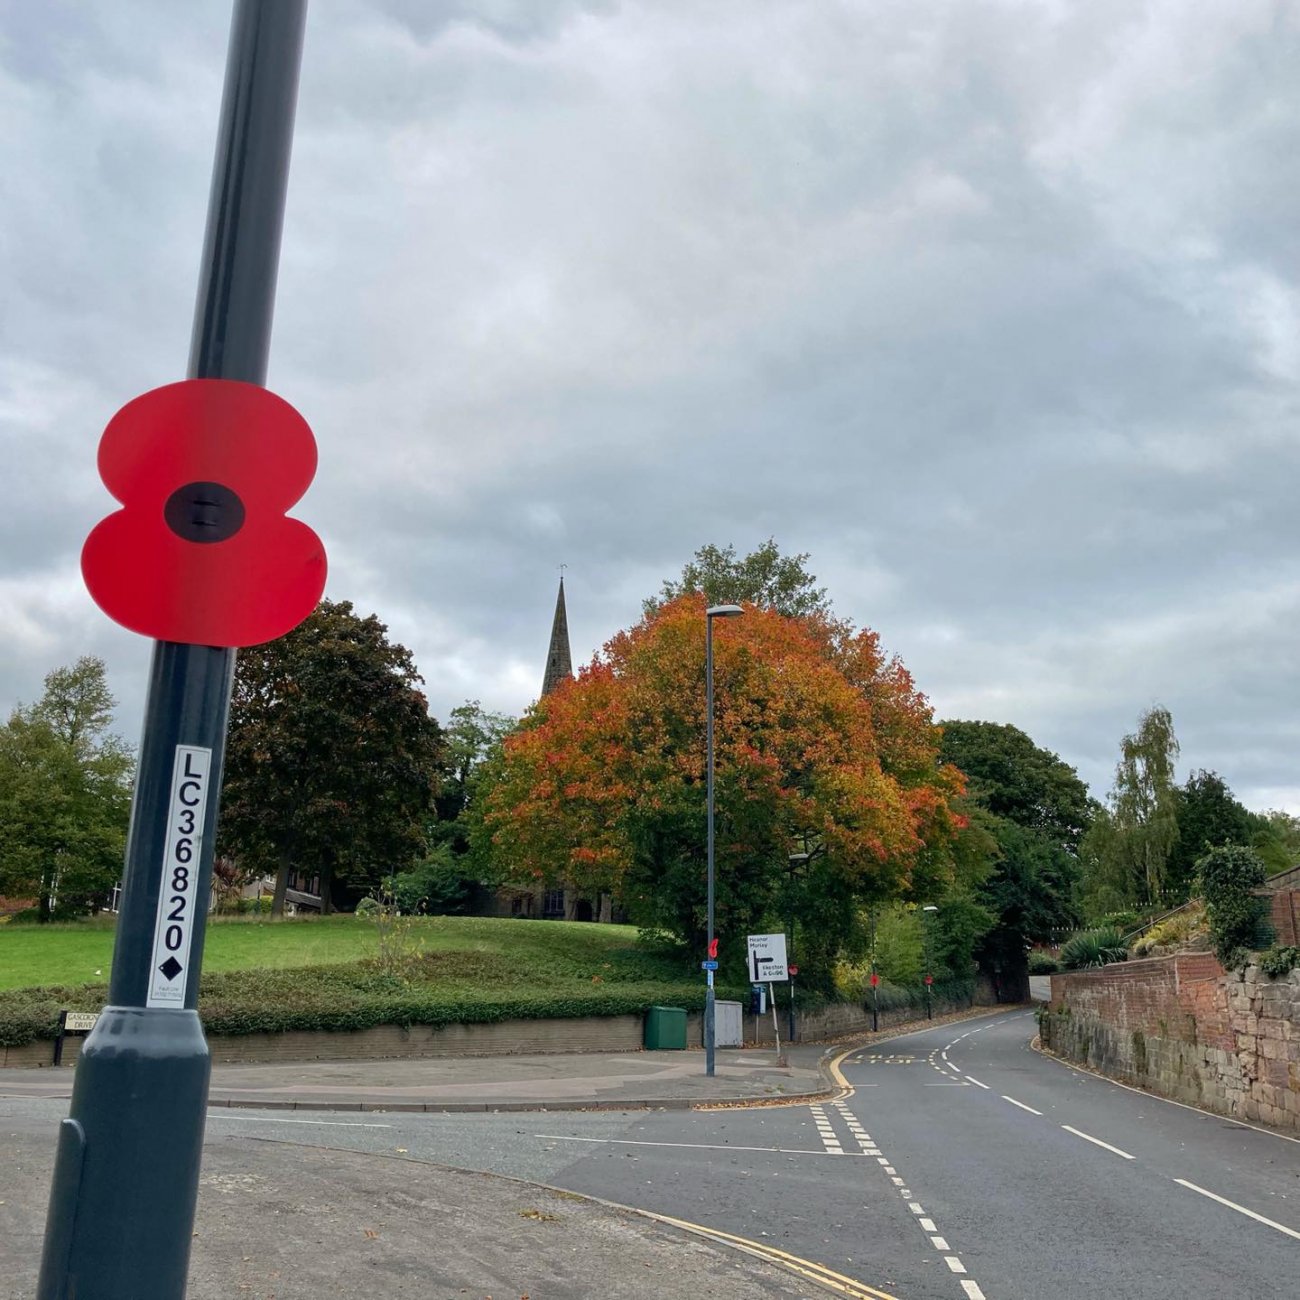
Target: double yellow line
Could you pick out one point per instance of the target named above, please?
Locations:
(805, 1268)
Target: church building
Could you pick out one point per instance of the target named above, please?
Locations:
(556, 904)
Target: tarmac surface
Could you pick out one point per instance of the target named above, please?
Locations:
(280, 1221)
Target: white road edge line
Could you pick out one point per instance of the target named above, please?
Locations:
(1098, 1142)
(680, 1146)
(1021, 1104)
(1168, 1101)
(978, 1084)
(1241, 1209)
(325, 1123)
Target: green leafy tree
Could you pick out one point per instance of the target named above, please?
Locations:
(1208, 816)
(1020, 782)
(899, 950)
(957, 930)
(471, 737)
(1275, 836)
(1127, 855)
(65, 795)
(764, 577)
(1227, 879)
(603, 786)
(1036, 810)
(332, 761)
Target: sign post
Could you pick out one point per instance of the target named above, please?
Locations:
(126, 1170)
(767, 965)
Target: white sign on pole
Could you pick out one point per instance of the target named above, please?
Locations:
(767, 958)
(178, 898)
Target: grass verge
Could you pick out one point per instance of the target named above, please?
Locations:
(268, 977)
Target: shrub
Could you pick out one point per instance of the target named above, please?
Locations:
(1226, 879)
(369, 907)
(1093, 948)
(436, 887)
(1277, 961)
(1173, 931)
(895, 997)
(1043, 963)
(1124, 922)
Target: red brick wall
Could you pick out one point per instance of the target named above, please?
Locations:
(1285, 915)
(1165, 996)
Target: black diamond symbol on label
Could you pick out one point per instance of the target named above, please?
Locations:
(171, 968)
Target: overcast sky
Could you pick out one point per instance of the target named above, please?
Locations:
(991, 307)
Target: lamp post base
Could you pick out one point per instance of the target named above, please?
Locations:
(126, 1176)
(710, 1028)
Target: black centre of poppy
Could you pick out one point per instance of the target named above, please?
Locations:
(204, 512)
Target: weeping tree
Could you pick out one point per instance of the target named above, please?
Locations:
(1127, 852)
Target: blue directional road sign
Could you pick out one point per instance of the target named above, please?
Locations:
(708, 965)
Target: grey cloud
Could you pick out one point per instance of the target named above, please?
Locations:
(991, 308)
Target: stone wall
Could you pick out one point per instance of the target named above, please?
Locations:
(1185, 1029)
(504, 1038)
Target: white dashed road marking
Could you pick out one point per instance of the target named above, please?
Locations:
(927, 1224)
(1241, 1209)
(1021, 1104)
(1097, 1142)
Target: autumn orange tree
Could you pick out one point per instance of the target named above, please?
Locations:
(824, 749)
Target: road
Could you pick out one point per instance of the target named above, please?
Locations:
(962, 1165)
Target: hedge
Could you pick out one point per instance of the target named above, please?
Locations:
(359, 995)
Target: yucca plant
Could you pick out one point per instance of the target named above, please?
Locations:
(1093, 948)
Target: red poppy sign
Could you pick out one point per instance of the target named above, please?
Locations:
(202, 552)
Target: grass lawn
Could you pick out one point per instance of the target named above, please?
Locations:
(270, 976)
(81, 953)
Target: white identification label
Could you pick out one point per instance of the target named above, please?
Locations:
(77, 1022)
(169, 975)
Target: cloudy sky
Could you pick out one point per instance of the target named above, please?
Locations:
(990, 306)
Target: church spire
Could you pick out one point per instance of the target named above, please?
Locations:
(559, 663)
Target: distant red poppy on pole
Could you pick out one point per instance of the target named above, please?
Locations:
(201, 552)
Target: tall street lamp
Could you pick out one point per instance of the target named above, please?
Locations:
(929, 909)
(710, 1021)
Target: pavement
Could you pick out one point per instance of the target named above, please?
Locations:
(553, 1081)
(605, 1080)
